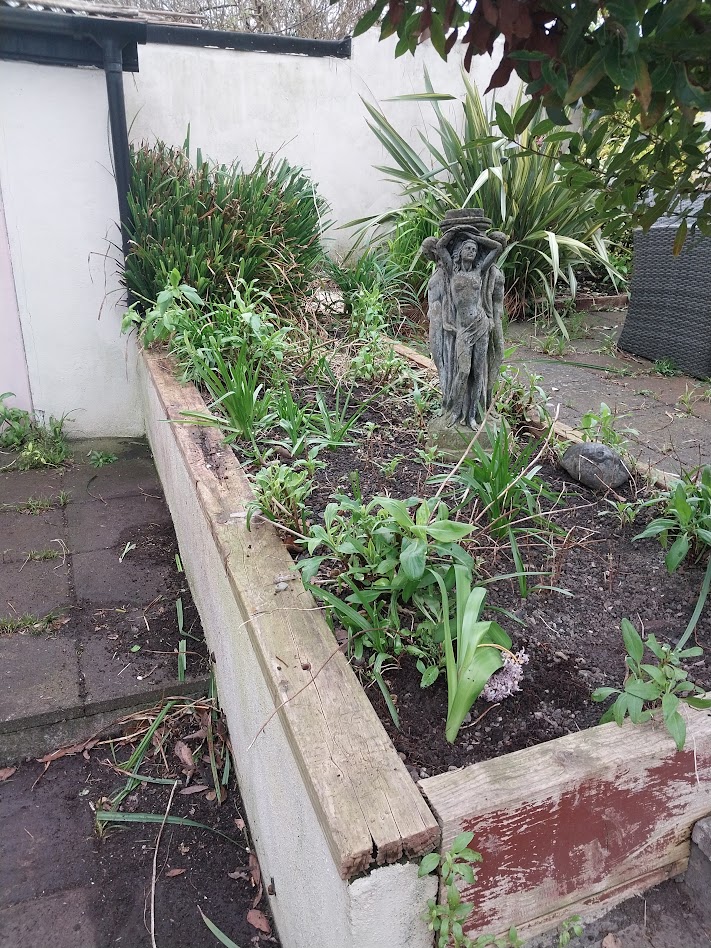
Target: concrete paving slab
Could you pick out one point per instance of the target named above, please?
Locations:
(18, 486)
(21, 532)
(35, 589)
(63, 921)
(674, 434)
(99, 577)
(110, 674)
(33, 849)
(39, 678)
(121, 479)
(100, 526)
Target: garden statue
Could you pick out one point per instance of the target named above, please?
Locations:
(466, 299)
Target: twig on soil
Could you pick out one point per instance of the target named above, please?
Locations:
(296, 693)
(482, 715)
(155, 867)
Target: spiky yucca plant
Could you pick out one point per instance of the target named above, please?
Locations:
(552, 229)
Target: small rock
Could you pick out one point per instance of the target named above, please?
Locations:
(538, 714)
(280, 587)
(595, 465)
(402, 755)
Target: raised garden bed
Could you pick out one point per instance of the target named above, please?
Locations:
(578, 822)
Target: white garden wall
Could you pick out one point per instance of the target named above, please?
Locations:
(308, 109)
(66, 354)
(60, 207)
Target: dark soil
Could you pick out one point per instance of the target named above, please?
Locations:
(573, 641)
(50, 843)
(571, 634)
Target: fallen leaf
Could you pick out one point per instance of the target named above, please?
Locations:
(67, 751)
(239, 824)
(6, 773)
(195, 735)
(195, 788)
(211, 796)
(256, 874)
(184, 755)
(238, 874)
(174, 872)
(259, 920)
(255, 870)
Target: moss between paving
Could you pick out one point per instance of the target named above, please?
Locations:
(74, 663)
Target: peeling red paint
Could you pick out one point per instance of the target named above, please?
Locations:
(572, 843)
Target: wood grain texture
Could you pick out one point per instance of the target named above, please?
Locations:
(369, 807)
(577, 823)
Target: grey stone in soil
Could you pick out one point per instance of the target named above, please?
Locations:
(595, 465)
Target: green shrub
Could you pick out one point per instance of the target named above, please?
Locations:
(552, 228)
(217, 224)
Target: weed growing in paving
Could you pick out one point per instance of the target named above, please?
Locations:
(101, 458)
(38, 505)
(35, 625)
(38, 445)
(666, 367)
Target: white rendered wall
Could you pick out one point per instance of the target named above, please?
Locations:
(13, 364)
(308, 109)
(60, 207)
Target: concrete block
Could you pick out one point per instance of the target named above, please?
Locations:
(99, 577)
(93, 525)
(37, 589)
(50, 664)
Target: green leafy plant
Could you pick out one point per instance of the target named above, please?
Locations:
(504, 484)
(647, 61)
(377, 363)
(38, 444)
(601, 426)
(281, 493)
(686, 520)
(551, 228)
(480, 647)
(654, 686)
(215, 224)
(101, 458)
(569, 928)
(446, 919)
(666, 367)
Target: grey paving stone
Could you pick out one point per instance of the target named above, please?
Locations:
(124, 478)
(99, 577)
(111, 673)
(100, 526)
(21, 532)
(63, 920)
(39, 676)
(35, 589)
(18, 486)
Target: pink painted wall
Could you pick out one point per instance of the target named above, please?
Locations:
(13, 364)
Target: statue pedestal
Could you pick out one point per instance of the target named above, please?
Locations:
(451, 441)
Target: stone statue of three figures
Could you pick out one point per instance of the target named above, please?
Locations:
(466, 301)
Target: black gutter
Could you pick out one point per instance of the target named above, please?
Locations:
(113, 68)
(112, 44)
(247, 42)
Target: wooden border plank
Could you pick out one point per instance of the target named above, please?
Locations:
(370, 808)
(578, 822)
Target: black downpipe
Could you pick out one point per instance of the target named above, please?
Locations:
(113, 67)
